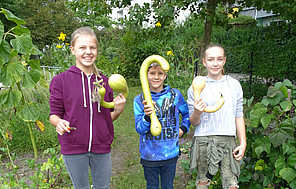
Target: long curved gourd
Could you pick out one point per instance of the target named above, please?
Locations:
(117, 83)
(198, 85)
(155, 127)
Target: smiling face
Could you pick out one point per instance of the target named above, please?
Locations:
(156, 77)
(214, 61)
(85, 51)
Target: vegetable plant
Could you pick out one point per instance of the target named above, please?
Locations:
(16, 48)
(270, 160)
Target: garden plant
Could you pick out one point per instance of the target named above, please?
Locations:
(264, 55)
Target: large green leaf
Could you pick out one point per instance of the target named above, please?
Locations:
(19, 30)
(277, 111)
(249, 102)
(271, 91)
(286, 106)
(288, 174)
(245, 176)
(15, 71)
(256, 115)
(12, 17)
(280, 164)
(273, 101)
(265, 102)
(291, 144)
(287, 83)
(284, 89)
(261, 145)
(22, 44)
(34, 64)
(35, 50)
(1, 31)
(4, 77)
(291, 161)
(4, 52)
(11, 98)
(260, 165)
(11, 73)
(268, 176)
(265, 121)
(28, 112)
(284, 131)
(278, 85)
(31, 78)
(285, 147)
(293, 184)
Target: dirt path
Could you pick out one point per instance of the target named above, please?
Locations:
(118, 166)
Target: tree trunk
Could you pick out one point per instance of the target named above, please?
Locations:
(209, 21)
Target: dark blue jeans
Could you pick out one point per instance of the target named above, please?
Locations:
(166, 174)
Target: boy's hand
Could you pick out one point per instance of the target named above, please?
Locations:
(180, 133)
(148, 108)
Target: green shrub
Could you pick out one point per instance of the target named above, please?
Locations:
(243, 21)
(270, 156)
(268, 51)
(256, 89)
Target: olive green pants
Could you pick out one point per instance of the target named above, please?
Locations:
(210, 153)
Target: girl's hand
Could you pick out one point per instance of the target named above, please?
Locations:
(119, 103)
(199, 106)
(148, 108)
(62, 127)
(238, 152)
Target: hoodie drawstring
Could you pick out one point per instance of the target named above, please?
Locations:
(83, 88)
(99, 105)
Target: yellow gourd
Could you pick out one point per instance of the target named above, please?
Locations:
(198, 85)
(155, 127)
(117, 83)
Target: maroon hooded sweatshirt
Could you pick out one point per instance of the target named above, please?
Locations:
(70, 99)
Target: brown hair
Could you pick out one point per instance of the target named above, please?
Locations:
(85, 31)
(154, 65)
(215, 45)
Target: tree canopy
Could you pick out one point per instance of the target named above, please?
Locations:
(47, 19)
(92, 13)
(284, 8)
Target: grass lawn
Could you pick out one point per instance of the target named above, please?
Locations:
(127, 140)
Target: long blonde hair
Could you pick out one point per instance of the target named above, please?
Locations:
(83, 31)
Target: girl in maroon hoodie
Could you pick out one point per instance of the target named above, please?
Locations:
(85, 128)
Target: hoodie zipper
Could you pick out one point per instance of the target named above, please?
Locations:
(91, 113)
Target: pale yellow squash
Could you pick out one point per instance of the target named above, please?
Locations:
(117, 83)
(198, 85)
(155, 127)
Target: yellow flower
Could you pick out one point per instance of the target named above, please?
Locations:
(44, 181)
(62, 36)
(7, 135)
(158, 24)
(170, 53)
(67, 44)
(235, 9)
(59, 46)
